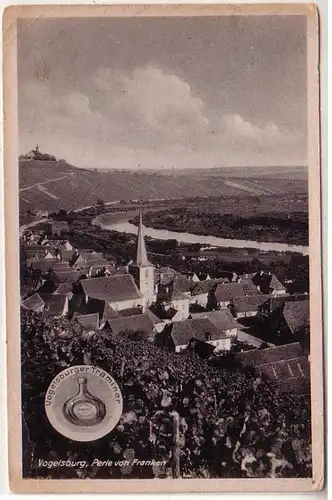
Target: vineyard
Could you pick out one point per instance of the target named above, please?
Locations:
(231, 424)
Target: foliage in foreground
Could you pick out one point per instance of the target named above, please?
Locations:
(231, 424)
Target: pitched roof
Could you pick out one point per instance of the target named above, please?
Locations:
(136, 323)
(89, 320)
(228, 291)
(201, 328)
(259, 357)
(64, 288)
(55, 303)
(182, 284)
(61, 266)
(102, 308)
(28, 285)
(202, 287)
(112, 288)
(33, 303)
(164, 275)
(170, 292)
(249, 303)
(67, 255)
(132, 311)
(43, 265)
(49, 286)
(33, 249)
(286, 365)
(222, 319)
(69, 276)
(296, 315)
(267, 282)
(277, 301)
(155, 320)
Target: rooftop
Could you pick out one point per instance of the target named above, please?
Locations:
(112, 288)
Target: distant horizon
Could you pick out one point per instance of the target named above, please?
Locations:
(156, 169)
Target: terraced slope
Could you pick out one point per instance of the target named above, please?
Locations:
(53, 185)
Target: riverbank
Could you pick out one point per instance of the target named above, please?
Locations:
(272, 227)
(123, 225)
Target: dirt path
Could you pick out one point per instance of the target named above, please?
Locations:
(38, 184)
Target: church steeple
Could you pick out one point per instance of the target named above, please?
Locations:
(141, 253)
(142, 270)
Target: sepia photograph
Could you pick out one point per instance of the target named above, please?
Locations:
(166, 308)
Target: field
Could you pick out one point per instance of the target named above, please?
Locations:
(54, 185)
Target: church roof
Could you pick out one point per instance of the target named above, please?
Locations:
(112, 288)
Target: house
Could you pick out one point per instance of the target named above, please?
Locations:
(28, 285)
(64, 289)
(33, 251)
(226, 292)
(51, 254)
(170, 296)
(88, 320)
(34, 303)
(41, 265)
(119, 291)
(289, 322)
(267, 283)
(202, 290)
(200, 349)
(55, 305)
(139, 323)
(164, 275)
(222, 319)
(176, 336)
(94, 306)
(287, 365)
(158, 323)
(244, 307)
(66, 275)
(66, 245)
(84, 257)
(276, 301)
(67, 255)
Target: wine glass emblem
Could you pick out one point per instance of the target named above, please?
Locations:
(84, 409)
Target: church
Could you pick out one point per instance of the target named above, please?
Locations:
(136, 289)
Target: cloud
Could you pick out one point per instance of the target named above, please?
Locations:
(147, 117)
(155, 99)
(236, 127)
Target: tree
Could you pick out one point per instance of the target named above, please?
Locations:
(100, 206)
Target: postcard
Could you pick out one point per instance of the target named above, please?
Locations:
(163, 248)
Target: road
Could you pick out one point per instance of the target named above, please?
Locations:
(46, 182)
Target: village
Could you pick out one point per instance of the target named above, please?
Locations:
(252, 315)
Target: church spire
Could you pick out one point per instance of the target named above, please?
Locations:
(141, 256)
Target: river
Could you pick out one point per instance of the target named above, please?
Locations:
(123, 226)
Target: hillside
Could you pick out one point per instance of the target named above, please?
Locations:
(51, 185)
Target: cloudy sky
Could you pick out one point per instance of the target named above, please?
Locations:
(170, 92)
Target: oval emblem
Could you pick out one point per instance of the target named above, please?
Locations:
(83, 403)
